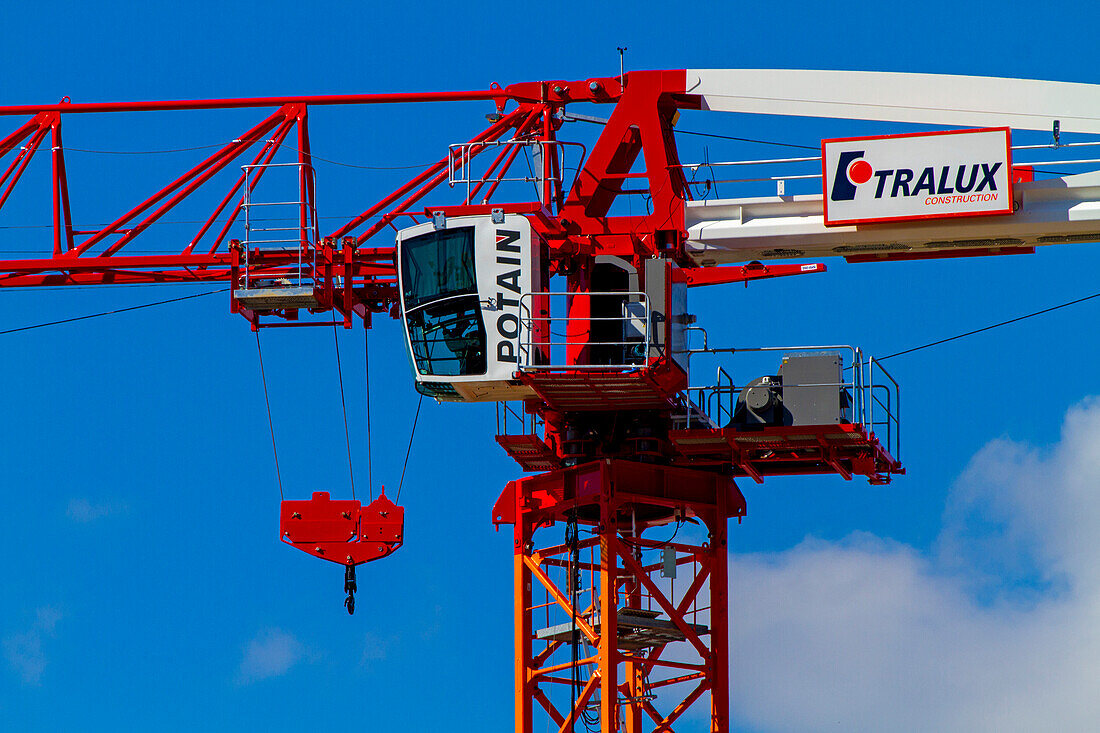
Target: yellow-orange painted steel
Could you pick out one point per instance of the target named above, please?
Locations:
(539, 659)
(633, 691)
(666, 724)
(620, 685)
(582, 701)
(548, 706)
(558, 596)
(609, 612)
(566, 665)
(634, 671)
(522, 578)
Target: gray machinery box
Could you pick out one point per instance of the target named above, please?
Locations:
(812, 392)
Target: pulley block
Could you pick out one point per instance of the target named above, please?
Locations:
(342, 531)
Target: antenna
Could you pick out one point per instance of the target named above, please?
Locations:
(622, 50)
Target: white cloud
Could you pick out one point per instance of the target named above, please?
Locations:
(46, 618)
(271, 654)
(998, 629)
(23, 650)
(84, 511)
(375, 648)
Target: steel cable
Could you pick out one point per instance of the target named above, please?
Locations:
(312, 156)
(366, 381)
(111, 312)
(990, 327)
(412, 434)
(344, 407)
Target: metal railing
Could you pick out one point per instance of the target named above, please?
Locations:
(723, 386)
(776, 170)
(891, 410)
(277, 238)
(547, 340)
(874, 404)
(513, 419)
(462, 155)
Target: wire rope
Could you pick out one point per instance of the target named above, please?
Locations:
(313, 156)
(990, 327)
(748, 140)
(270, 422)
(366, 381)
(412, 434)
(111, 312)
(344, 407)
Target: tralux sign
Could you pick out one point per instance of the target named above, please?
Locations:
(924, 175)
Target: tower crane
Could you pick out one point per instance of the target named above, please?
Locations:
(572, 316)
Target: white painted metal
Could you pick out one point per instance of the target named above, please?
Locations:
(1054, 211)
(936, 99)
(506, 266)
(921, 176)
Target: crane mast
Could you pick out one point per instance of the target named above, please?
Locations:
(573, 317)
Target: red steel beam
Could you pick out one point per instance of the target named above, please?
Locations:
(202, 171)
(558, 596)
(19, 134)
(632, 565)
(208, 169)
(245, 102)
(744, 273)
(22, 159)
(60, 191)
(306, 192)
(101, 264)
(521, 128)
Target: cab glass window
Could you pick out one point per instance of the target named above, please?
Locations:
(442, 311)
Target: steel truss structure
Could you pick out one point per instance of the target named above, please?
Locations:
(610, 602)
(349, 276)
(611, 455)
(618, 497)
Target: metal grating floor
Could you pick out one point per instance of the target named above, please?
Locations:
(637, 629)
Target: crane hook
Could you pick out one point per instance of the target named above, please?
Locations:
(349, 588)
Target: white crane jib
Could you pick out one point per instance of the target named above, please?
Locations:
(1050, 211)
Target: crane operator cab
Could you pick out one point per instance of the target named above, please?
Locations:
(461, 282)
(477, 310)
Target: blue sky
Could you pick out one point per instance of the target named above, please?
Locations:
(143, 586)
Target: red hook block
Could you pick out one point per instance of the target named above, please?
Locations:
(342, 531)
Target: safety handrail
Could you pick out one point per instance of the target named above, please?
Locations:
(874, 395)
(536, 332)
(514, 419)
(783, 167)
(307, 234)
(462, 155)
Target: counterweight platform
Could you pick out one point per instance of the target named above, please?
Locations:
(844, 449)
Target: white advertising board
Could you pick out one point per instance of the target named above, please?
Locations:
(926, 175)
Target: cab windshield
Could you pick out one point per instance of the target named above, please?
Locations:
(442, 312)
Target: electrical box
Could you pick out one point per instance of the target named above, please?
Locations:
(808, 390)
(812, 391)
